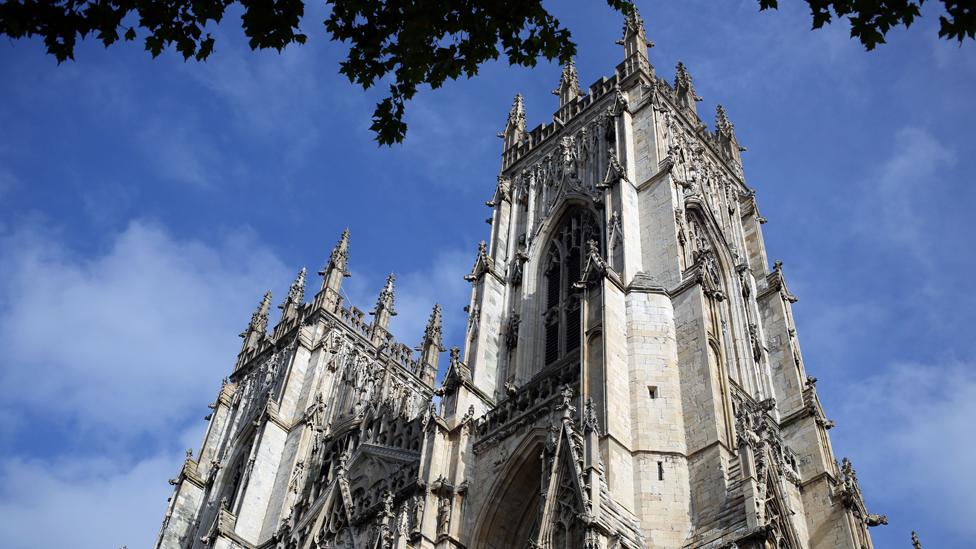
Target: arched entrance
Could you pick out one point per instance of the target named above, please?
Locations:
(510, 516)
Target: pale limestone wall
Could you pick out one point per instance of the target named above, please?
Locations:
(257, 496)
(279, 491)
(661, 471)
(659, 242)
(181, 516)
(788, 377)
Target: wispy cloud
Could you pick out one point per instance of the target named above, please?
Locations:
(97, 502)
(902, 196)
(129, 340)
(906, 427)
(184, 152)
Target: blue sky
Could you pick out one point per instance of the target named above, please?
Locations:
(145, 205)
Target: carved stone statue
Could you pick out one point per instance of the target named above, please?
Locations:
(443, 515)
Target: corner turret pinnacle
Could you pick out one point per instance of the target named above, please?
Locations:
(635, 44)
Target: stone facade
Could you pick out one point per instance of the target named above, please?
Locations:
(631, 374)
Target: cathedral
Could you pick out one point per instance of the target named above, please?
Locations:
(631, 375)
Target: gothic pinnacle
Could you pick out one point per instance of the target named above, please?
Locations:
(259, 319)
(339, 259)
(722, 123)
(684, 88)
(569, 87)
(634, 28)
(516, 119)
(386, 298)
(432, 334)
(296, 293)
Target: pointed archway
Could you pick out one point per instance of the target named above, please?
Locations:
(511, 513)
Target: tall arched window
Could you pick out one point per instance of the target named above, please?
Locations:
(563, 267)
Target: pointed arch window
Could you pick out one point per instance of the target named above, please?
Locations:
(562, 268)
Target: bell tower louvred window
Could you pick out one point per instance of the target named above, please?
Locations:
(563, 267)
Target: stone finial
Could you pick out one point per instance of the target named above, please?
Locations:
(634, 35)
(432, 333)
(725, 132)
(386, 298)
(635, 44)
(722, 123)
(332, 274)
(259, 318)
(515, 126)
(684, 88)
(296, 293)
(569, 88)
(431, 347)
(339, 259)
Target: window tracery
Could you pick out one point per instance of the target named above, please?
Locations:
(562, 268)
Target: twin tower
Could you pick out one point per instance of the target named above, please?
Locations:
(631, 375)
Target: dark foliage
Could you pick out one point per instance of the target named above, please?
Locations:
(872, 19)
(415, 43)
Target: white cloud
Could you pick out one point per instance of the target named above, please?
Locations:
(907, 429)
(901, 196)
(89, 503)
(129, 340)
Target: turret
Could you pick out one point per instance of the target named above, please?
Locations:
(684, 89)
(333, 273)
(635, 45)
(431, 347)
(257, 328)
(383, 311)
(569, 88)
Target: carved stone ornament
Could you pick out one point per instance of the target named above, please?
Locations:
(482, 263)
(594, 267)
(620, 103)
(615, 172)
(511, 333)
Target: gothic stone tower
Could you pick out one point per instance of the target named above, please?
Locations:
(631, 375)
